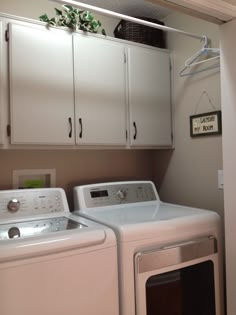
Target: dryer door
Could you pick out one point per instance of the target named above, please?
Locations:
(181, 279)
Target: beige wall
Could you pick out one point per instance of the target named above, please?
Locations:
(231, 1)
(191, 176)
(78, 167)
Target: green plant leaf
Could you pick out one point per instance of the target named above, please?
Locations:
(76, 11)
(58, 12)
(89, 16)
(52, 21)
(44, 18)
(86, 16)
(94, 26)
(67, 7)
(69, 16)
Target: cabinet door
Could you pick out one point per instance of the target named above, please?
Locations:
(100, 102)
(41, 85)
(2, 86)
(149, 97)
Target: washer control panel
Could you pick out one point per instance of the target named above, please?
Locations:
(108, 194)
(27, 202)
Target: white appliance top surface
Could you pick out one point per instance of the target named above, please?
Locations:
(132, 214)
(135, 211)
(132, 222)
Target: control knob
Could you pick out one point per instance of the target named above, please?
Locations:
(121, 194)
(13, 205)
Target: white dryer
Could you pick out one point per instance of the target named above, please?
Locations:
(51, 262)
(169, 255)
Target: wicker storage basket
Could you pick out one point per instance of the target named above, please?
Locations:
(141, 33)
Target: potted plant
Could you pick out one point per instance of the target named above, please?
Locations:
(75, 19)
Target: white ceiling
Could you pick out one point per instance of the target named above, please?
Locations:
(131, 7)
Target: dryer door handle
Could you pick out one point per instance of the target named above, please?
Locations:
(175, 254)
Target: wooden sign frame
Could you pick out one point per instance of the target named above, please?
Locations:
(206, 124)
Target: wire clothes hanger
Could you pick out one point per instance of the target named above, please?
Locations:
(205, 52)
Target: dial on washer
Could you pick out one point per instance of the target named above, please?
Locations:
(13, 205)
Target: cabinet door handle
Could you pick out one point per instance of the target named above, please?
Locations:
(81, 128)
(70, 123)
(135, 130)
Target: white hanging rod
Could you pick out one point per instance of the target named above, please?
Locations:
(128, 18)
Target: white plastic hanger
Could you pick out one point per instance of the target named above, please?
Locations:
(196, 59)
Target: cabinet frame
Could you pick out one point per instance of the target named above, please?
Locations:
(5, 19)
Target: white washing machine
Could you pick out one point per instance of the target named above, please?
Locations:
(51, 262)
(169, 255)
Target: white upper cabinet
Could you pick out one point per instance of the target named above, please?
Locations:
(41, 85)
(85, 90)
(149, 97)
(100, 91)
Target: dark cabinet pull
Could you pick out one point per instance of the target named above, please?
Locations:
(135, 130)
(70, 123)
(81, 128)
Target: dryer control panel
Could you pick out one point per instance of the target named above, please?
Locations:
(110, 194)
(26, 202)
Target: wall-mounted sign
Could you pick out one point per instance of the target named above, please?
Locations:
(206, 124)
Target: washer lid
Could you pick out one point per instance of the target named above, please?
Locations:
(24, 248)
(136, 222)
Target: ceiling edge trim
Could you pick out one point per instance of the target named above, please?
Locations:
(215, 11)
